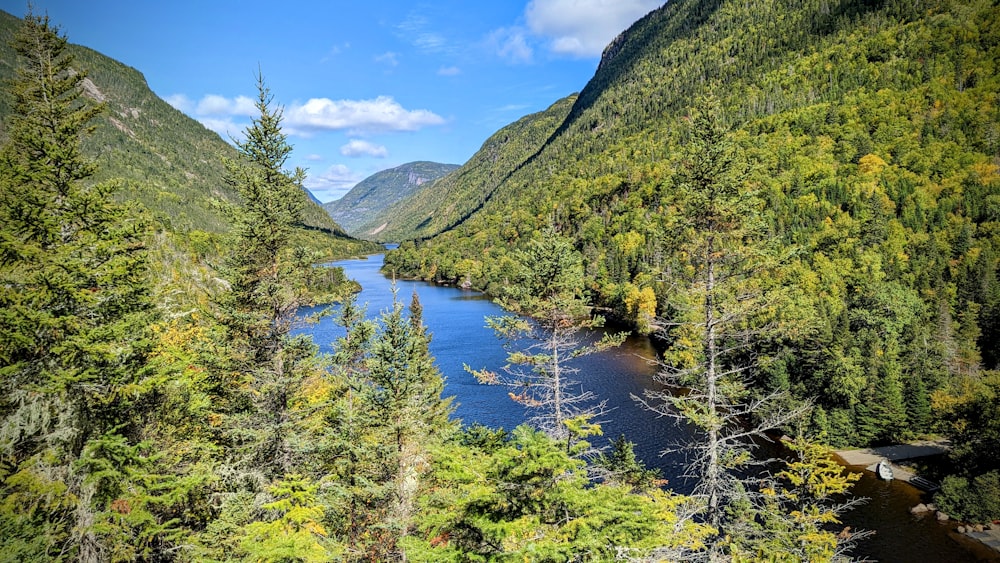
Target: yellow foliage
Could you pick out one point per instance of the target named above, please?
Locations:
(871, 165)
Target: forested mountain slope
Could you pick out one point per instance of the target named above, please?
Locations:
(361, 210)
(870, 130)
(164, 159)
(450, 200)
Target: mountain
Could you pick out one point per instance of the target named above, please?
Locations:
(452, 199)
(164, 159)
(362, 210)
(869, 130)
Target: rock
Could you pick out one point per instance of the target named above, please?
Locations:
(931, 507)
(942, 517)
(919, 509)
(978, 528)
(960, 529)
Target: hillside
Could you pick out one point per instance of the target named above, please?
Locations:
(871, 131)
(361, 212)
(449, 201)
(163, 158)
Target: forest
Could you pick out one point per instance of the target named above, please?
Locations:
(799, 278)
(866, 136)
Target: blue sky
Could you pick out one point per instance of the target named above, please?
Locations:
(365, 85)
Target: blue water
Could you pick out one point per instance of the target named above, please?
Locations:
(455, 319)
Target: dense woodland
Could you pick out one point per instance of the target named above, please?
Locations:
(869, 134)
(781, 254)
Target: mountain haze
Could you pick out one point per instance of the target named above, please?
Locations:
(362, 210)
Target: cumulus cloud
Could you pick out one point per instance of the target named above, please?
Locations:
(510, 44)
(333, 183)
(357, 147)
(214, 104)
(449, 71)
(359, 116)
(225, 127)
(582, 28)
(180, 102)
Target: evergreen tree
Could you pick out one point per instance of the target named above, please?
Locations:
(74, 318)
(404, 394)
(719, 307)
(547, 286)
(268, 285)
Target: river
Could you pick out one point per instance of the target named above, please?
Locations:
(455, 319)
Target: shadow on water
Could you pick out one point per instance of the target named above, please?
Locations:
(455, 319)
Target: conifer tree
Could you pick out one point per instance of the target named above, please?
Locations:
(547, 286)
(74, 318)
(268, 279)
(718, 309)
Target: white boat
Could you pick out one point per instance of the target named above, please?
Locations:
(884, 470)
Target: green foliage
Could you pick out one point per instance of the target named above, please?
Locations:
(80, 480)
(546, 284)
(870, 132)
(625, 469)
(971, 500)
(528, 499)
(798, 511)
(295, 533)
(971, 409)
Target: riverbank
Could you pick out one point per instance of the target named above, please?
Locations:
(869, 459)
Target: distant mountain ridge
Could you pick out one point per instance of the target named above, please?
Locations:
(164, 159)
(453, 198)
(362, 211)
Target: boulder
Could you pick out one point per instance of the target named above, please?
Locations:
(942, 517)
(960, 529)
(931, 507)
(919, 509)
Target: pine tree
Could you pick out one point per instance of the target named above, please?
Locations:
(74, 317)
(718, 309)
(268, 279)
(547, 286)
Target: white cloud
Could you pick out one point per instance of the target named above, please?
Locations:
(213, 104)
(430, 42)
(415, 29)
(583, 28)
(510, 44)
(367, 116)
(225, 127)
(314, 157)
(180, 102)
(356, 148)
(449, 71)
(332, 184)
(388, 58)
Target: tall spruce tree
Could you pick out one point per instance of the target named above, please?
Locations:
(268, 279)
(547, 287)
(719, 308)
(74, 318)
